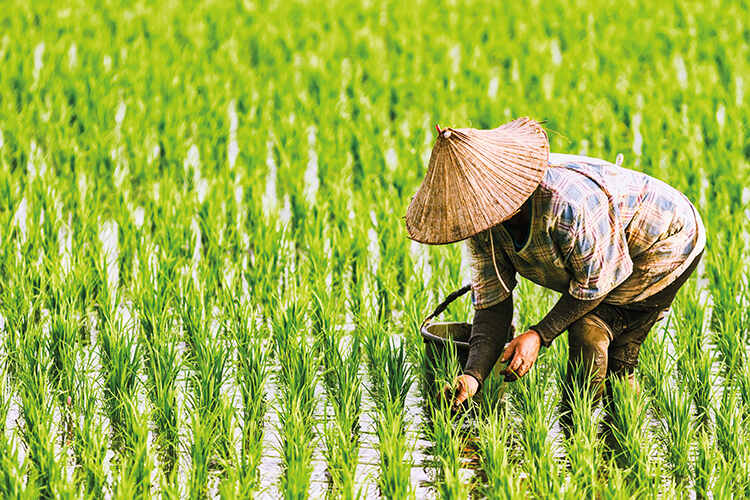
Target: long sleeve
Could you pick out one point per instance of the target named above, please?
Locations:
(565, 312)
(489, 332)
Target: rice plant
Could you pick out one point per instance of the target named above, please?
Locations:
(677, 432)
(344, 392)
(251, 371)
(628, 417)
(495, 444)
(582, 444)
(298, 377)
(534, 406)
(46, 472)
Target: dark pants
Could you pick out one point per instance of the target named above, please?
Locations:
(609, 338)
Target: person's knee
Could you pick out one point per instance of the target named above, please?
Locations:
(589, 333)
(588, 340)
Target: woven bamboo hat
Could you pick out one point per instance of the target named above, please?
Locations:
(476, 179)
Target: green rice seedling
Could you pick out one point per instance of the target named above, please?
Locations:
(689, 318)
(341, 375)
(495, 444)
(287, 321)
(731, 440)
(47, 469)
(618, 484)
(699, 379)
(209, 369)
(297, 452)
(341, 454)
(742, 381)
(63, 334)
(163, 369)
(582, 443)
(12, 482)
(226, 423)
(344, 391)
(323, 313)
(89, 441)
(654, 361)
(706, 459)
(390, 382)
(121, 360)
(395, 471)
(136, 463)
(535, 409)
(20, 309)
(297, 379)
(171, 488)
(201, 451)
(6, 395)
(251, 372)
(449, 441)
(154, 304)
(63, 351)
(628, 414)
(730, 339)
(676, 431)
(725, 481)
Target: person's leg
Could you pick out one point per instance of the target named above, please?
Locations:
(588, 343)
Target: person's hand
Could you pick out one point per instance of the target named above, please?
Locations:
(465, 386)
(522, 352)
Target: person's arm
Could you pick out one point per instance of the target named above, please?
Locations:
(564, 313)
(489, 332)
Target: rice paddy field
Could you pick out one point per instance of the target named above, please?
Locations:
(206, 288)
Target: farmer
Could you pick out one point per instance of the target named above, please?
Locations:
(617, 244)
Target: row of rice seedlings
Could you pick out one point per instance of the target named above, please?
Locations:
(13, 484)
(251, 371)
(120, 362)
(729, 293)
(495, 441)
(163, 364)
(633, 448)
(582, 443)
(47, 469)
(532, 401)
(212, 418)
(732, 441)
(344, 393)
(672, 406)
(297, 377)
(136, 465)
(89, 441)
(445, 427)
(694, 363)
(63, 351)
(390, 381)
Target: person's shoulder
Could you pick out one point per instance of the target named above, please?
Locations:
(562, 185)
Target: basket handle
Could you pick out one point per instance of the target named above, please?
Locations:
(444, 304)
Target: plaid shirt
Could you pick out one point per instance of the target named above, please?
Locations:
(597, 230)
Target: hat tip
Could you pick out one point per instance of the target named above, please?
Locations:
(444, 132)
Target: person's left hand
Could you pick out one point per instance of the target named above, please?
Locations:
(522, 352)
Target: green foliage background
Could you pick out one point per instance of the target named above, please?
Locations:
(359, 86)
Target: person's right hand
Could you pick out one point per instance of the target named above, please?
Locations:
(465, 386)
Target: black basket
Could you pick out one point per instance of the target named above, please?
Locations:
(438, 336)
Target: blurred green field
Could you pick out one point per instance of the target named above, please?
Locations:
(206, 288)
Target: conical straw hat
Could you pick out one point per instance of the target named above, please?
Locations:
(477, 179)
